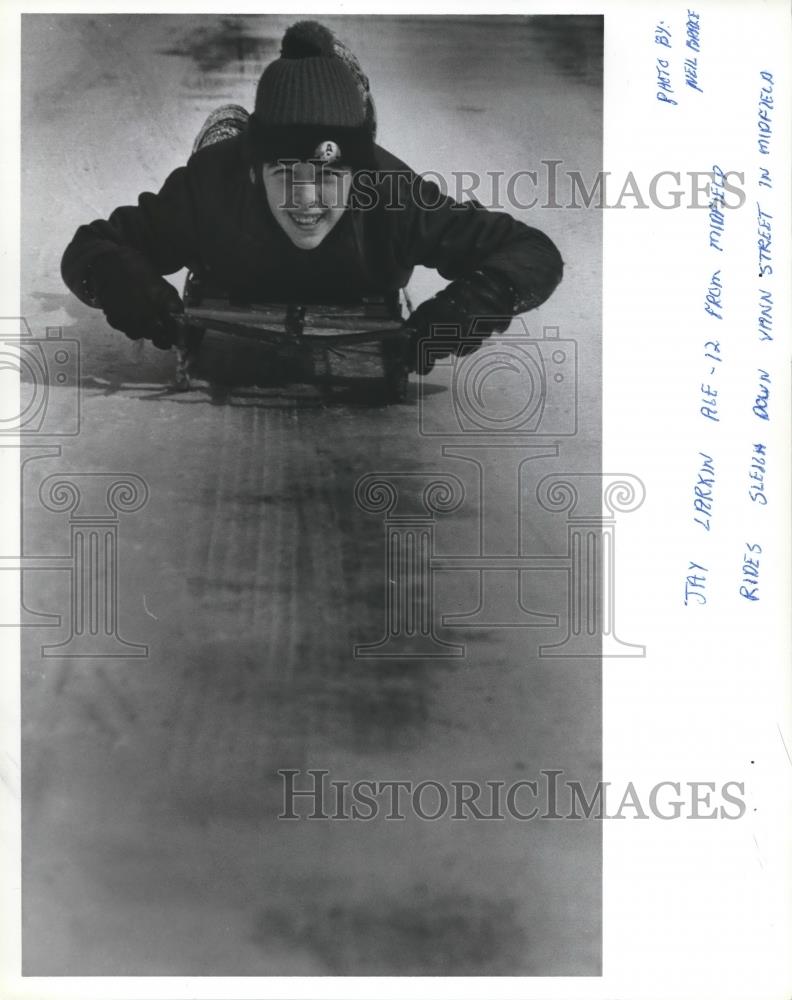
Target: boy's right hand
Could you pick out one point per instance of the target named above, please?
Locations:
(134, 299)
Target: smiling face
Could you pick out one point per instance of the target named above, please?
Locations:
(306, 199)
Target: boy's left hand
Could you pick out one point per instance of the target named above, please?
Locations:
(457, 320)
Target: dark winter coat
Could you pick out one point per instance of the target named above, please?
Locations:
(211, 216)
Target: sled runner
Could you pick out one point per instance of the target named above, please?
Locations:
(358, 346)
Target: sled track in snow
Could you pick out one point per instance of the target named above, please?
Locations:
(273, 562)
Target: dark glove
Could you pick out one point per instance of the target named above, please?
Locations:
(459, 318)
(134, 298)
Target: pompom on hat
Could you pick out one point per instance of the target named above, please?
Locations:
(312, 100)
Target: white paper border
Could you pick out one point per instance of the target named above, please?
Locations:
(688, 911)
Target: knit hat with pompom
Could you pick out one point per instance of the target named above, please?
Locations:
(310, 105)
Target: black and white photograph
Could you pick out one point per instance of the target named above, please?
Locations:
(398, 471)
(331, 381)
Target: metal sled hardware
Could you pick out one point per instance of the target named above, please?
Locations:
(361, 345)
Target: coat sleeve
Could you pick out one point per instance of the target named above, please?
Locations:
(161, 228)
(459, 239)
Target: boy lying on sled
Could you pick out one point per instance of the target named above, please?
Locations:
(298, 203)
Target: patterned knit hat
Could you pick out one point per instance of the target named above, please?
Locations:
(311, 104)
